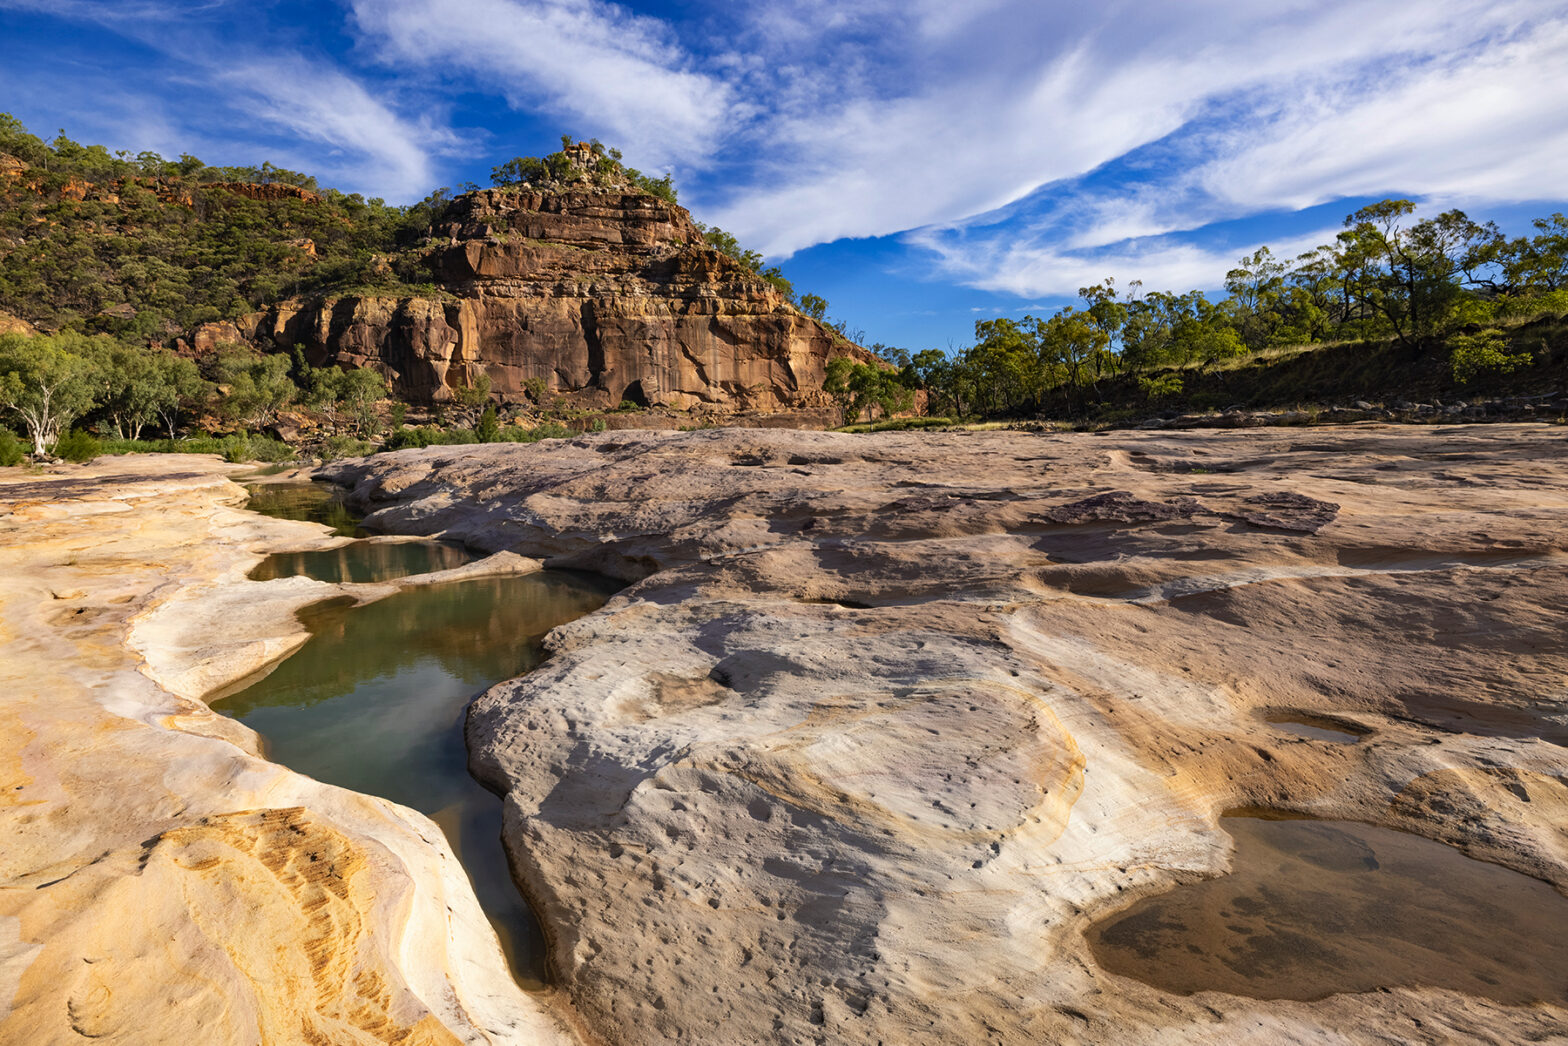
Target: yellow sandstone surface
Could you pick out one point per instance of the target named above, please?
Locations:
(160, 882)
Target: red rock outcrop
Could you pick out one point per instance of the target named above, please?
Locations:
(602, 295)
(266, 191)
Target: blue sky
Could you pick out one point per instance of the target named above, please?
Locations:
(919, 163)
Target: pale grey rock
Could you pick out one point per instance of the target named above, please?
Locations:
(884, 722)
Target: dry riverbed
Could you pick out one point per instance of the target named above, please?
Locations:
(888, 729)
(892, 721)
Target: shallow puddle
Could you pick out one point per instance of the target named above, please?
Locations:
(364, 561)
(315, 502)
(1316, 728)
(1313, 908)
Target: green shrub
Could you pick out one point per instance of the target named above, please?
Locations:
(597, 425)
(345, 447)
(428, 436)
(265, 448)
(240, 448)
(1485, 352)
(1549, 303)
(1160, 387)
(11, 449)
(77, 445)
(489, 428)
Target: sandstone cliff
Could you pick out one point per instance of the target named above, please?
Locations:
(603, 295)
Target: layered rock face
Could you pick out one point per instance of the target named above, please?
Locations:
(601, 295)
(889, 721)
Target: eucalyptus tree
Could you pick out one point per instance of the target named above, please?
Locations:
(1411, 275)
(49, 381)
(1257, 291)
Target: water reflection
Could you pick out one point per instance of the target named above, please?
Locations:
(374, 701)
(1313, 908)
(364, 561)
(315, 502)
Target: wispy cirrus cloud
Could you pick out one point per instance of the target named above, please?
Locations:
(368, 143)
(593, 61)
(1475, 119)
(248, 97)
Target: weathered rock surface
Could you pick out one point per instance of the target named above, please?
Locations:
(889, 720)
(14, 325)
(602, 295)
(160, 881)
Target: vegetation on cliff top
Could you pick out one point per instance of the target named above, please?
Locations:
(146, 249)
(587, 162)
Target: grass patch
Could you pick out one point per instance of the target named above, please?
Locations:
(234, 448)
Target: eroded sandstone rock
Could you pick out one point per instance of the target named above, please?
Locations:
(603, 296)
(887, 721)
(164, 883)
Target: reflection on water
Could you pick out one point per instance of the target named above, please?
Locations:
(363, 561)
(1312, 908)
(375, 702)
(315, 502)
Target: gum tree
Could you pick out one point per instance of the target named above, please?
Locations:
(48, 381)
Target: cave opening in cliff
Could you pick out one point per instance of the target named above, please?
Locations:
(635, 394)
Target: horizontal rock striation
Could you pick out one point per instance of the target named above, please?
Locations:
(601, 295)
(888, 721)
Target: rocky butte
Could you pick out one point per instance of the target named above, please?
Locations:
(596, 293)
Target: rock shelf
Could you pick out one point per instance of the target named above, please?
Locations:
(882, 727)
(887, 722)
(163, 882)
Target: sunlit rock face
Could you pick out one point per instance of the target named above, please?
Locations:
(887, 723)
(600, 295)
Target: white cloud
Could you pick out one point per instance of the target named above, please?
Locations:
(369, 144)
(620, 74)
(1030, 268)
(1460, 111)
(1489, 125)
(1034, 94)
